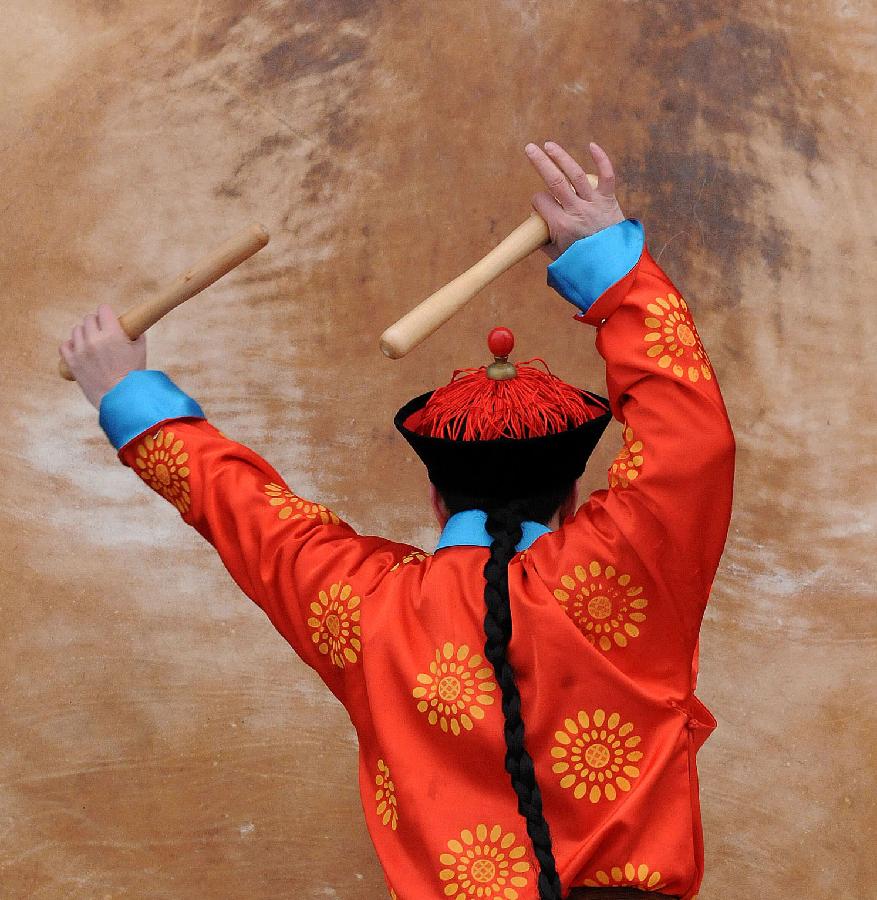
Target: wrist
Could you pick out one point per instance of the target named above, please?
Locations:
(595, 228)
(605, 223)
(593, 264)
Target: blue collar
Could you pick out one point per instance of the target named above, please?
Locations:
(466, 528)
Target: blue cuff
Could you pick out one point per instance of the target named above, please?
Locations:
(591, 265)
(143, 398)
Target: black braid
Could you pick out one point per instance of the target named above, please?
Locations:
(504, 526)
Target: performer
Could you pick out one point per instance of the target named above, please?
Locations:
(524, 695)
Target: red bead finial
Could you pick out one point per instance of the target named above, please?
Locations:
(501, 342)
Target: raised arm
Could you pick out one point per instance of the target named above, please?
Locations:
(309, 571)
(670, 486)
(657, 533)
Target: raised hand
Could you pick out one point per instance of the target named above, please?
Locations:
(571, 207)
(100, 354)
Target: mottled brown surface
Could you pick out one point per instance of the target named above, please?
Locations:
(159, 739)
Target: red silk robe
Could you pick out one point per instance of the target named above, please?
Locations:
(606, 613)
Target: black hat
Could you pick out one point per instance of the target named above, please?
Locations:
(492, 467)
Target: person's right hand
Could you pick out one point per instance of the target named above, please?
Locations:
(571, 207)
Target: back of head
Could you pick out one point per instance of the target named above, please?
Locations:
(533, 505)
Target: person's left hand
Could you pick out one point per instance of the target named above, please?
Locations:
(100, 354)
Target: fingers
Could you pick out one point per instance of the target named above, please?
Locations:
(88, 331)
(547, 207)
(565, 178)
(93, 325)
(605, 172)
(554, 179)
(573, 171)
(107, 320)
(90, 328)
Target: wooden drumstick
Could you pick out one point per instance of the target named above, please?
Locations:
(208, 269)
(427, 317)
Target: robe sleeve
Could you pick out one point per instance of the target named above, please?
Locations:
(669, 494)
(308, 570)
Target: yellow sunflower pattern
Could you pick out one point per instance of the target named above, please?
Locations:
(628, 875)
(456, 689)
(334, 624)
(627, 466)
(606, 608)
(595, 755)
(292, 506)
(416, 556)
(385, 796)
(674, 339)
(485, 864)
(161, 463)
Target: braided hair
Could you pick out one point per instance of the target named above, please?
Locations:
(504, 519)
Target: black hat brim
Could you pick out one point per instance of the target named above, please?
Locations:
(501, 466)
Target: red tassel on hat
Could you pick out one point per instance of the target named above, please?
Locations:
(504, 400)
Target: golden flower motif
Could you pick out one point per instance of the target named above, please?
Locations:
(674, 339)
(291, 505)
(456, 688)
(603, 604)
(385, 796)
(627, 876)
(416, 556)
(484, 865)
(627, 465)
(334, 625)
(595, 756)
(161, 463)
(393, 895)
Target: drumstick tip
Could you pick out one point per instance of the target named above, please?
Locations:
(389, 349)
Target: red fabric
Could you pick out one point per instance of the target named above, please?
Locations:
(606, 615)
(476, 407)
